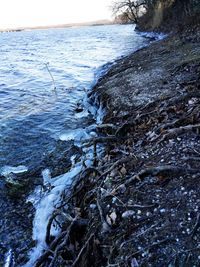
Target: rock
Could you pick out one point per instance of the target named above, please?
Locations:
(128, 214)
(58, 161)
(121, 189)
(123, 171)
(111, 218)
(78, 109)
(93, 206)
(16, 187)
(134, 263)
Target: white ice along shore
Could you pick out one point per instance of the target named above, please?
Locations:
(45, 202)
(45, 208)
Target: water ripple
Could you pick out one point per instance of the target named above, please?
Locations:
(31, 112)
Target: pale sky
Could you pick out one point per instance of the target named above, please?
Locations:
(20, 13)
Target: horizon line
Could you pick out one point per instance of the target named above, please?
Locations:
(64, 25)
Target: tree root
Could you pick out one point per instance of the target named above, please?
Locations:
(82, 251)
(165, 170)
(171, 133)
(60, 242)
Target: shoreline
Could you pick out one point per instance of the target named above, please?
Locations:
(59, 26)
(140, 158)
(139, 202)
(21, 191)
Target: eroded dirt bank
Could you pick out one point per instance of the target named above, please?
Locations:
(139, 205)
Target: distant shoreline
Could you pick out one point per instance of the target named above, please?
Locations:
(67, 25)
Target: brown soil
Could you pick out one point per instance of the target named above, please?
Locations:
(140, 203)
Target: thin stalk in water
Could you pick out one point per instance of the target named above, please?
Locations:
(53, 81)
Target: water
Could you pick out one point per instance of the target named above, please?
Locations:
(32, 113)
(33, 116)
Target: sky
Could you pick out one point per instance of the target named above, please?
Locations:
(28, 13)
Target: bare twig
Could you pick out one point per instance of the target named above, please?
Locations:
(53, 81)
(138, 235)
(117, 163)
(196, 226)
(63, 243)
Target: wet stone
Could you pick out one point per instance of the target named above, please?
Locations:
(58, 160)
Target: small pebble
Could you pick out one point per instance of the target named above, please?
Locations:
(162, 211)
(122, 188)
(93, 206)
(114, 200)
(128, 214)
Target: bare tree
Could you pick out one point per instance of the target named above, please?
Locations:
(131, 10)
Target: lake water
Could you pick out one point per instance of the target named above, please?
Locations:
(32, 114)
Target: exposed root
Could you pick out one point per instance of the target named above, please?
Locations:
(171, 133)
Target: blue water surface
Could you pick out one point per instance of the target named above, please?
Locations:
(32, 113)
